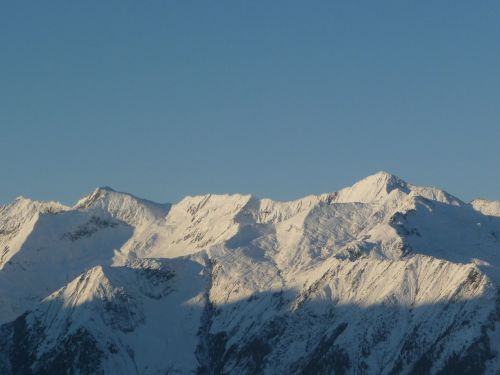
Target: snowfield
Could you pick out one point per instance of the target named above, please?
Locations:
(383, 277)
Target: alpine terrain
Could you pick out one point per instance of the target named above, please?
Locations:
(383, 277)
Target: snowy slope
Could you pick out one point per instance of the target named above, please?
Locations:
(383, 277)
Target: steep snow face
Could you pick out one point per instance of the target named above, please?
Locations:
(200, 222)
(383, 277)
(193, 224)
(16, 222)
(456, 233)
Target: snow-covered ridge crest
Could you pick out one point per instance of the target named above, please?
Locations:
(377, 187)
(123, 206)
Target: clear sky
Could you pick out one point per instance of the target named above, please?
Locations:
(276, 98)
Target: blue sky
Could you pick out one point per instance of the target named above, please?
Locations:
(280, 99)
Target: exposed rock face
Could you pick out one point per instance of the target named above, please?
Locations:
(383, 277)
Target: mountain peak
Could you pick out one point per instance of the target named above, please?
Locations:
(383, 174)
(390, 180)
(124, 206)
(91, 199)
(372, 188)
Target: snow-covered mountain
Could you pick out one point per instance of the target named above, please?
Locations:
(383, 277)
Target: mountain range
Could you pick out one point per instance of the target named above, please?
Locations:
(383, 277)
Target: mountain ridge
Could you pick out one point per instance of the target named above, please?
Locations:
(383, 277)
(380, 174)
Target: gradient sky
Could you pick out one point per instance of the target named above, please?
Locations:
(276, 98)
